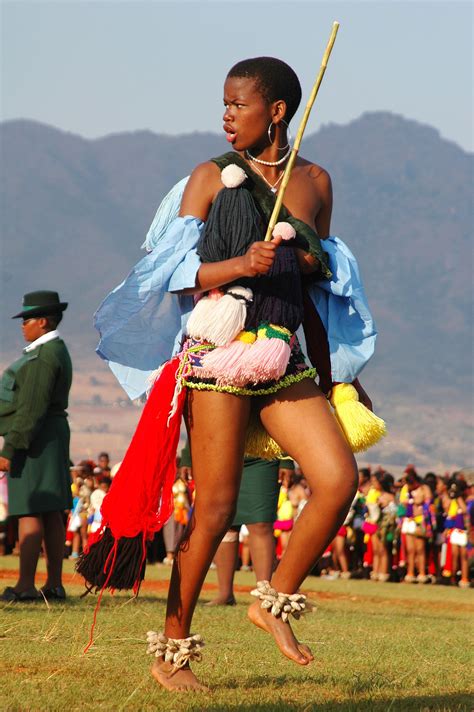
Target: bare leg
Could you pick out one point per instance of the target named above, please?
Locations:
(262, 549)
(216, 424)
(420, 549)
(53, 526)
(455, 553)
(225, 560)
(464, 564)
(383, 558)
(375, 558)
(284, 539)
(30, 534)
(76, 544)
(169, 537)
(340, 550)
(330, 469)
(245, 554)
(84, 534)
(410, 552)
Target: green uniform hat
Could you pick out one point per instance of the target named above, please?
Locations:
(41, 303)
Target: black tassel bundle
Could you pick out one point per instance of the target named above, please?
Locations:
(233, 224)
(118, 563)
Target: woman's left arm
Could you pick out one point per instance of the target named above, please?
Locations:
(322, 220)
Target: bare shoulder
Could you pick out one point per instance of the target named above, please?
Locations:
(317, 174)
(201, 189)
(206, 174)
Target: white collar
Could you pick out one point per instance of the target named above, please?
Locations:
(49, 336)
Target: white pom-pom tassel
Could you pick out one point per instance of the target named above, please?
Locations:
(285, 230)
(227, 319)
(233, 175)
(201, 315)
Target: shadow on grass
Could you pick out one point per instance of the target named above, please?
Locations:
(423, 703)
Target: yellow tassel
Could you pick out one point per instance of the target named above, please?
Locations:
(361, 427)
(258, 442)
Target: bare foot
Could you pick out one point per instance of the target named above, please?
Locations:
(282, 633)
(176, 680)
(222, 602)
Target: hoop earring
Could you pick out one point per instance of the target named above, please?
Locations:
(289, 137)
(269, 133)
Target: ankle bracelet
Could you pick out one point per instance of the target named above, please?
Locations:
(178, 651)
(279, 604)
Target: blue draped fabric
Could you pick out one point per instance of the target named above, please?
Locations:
(168, 209)
(140, 321)
(344, 311)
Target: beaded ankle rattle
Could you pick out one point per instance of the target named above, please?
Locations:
(179, 651)
(279, 604)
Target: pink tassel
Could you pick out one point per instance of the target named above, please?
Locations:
(220, 362)
(267, 360)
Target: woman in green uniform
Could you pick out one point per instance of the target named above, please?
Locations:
(33, 420)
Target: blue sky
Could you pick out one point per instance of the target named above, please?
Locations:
(96, 68)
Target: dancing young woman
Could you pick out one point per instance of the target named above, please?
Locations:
(260, 98)
(246, 381)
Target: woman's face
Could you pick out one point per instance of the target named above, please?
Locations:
(375, 483)
(33, 328)
(247, 114)
(440, 486)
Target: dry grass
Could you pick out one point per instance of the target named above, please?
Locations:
(378, 647)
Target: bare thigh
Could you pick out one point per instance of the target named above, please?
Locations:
(216, 424)
(299, 418)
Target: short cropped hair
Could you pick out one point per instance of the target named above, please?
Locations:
(275, 80)
(53, 321)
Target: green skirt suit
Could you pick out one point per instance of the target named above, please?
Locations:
(34, 394)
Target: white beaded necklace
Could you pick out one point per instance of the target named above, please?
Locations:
(272, 186)
(268, 163)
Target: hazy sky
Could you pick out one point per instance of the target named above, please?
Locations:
(95, 68)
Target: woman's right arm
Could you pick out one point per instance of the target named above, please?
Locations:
(199, 194)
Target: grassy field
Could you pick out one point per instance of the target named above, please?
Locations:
(378, 647)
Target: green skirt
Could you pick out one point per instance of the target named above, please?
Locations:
(258, 494)
(39, 478)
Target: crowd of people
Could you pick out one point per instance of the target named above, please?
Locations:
(418, 530)
(412, 530)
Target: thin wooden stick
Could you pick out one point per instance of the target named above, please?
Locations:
(299, 135)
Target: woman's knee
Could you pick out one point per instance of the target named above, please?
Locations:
(340, 484)
(261, 529)
(215, 516)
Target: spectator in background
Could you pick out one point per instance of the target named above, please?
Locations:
(417, 525)
(174, 528)
(298, 494)
(456, 533)
(103, 461)
(385, 522)
(34, 394)
(358, 517)
(96, 499)
(284, 518)
(78, 524)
